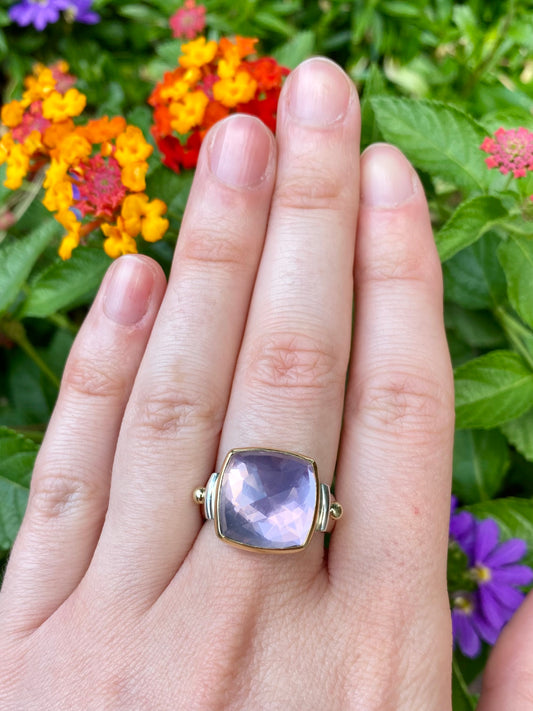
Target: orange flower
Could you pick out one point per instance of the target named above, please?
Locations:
(12, 114)
(103, 129)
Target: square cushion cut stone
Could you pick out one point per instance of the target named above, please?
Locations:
(267, 499)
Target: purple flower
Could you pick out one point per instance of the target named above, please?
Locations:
(480, 614)
(38, 13)
(80, 11)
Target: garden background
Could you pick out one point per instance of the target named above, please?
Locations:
(450, 83)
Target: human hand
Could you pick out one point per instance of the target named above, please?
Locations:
(116, 595)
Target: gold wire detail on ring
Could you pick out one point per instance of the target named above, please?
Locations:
(198, 495)
(336, 510)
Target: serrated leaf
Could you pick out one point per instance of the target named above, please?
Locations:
(480, 462)
(374, 86)
(516, 257)
(17, 457)
(438, 138)
(514, 518)
(18, 257)
(298, 48)
(65, 282)
(474, 278)
(468, 223)
(492, 389)
(519, 432)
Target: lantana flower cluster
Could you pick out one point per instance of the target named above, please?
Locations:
(510, 151)
(213, 80)
(492, 580)
(94, 173)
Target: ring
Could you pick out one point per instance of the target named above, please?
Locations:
(268, 500)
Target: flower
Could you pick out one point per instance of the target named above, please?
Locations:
(91, 169)
(38, 13)
(212, 82)
(510, 151)
(80, 11)
(188, 21)
(490, 595)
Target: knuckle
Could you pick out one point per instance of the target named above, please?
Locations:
(311, 190)
(404, 402)
(297, 363)
(171, 409)
(55, 494)
(395, 257)
(90, 378)
(215, 245)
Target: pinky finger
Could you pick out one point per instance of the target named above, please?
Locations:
(71, 480)
(508, 678)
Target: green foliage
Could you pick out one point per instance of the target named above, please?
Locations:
(17, 455)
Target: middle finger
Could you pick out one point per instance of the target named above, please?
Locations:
(288, 389)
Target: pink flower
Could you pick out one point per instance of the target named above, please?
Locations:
(510, 151)
(188, 21)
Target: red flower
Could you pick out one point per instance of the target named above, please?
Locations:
(510, 151)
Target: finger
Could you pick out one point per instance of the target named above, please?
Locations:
(288, 388)
(394, 470)
(70, 485)
(508, 677)
(172, 424)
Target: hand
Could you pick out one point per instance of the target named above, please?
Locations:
(117, 595)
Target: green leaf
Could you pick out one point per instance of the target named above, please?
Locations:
(492, 389)
(298, 48)
(272, 23)
(17, 457)
(478, 329)
(516, 257)
(438, 138)
(468, 223)
(514, 518)
(519, 432)
(65, 282)
(374, 86)
(474, 278)
(480, 462)
(462, 700)
(18, 257)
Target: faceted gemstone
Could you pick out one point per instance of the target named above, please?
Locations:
(267, 499)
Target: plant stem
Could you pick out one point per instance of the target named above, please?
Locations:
(520, 337)
(16, 332)
(62, 321)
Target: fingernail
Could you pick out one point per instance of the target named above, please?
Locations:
(240, 151)
(387, 178)
(319, 93)
(128, 289)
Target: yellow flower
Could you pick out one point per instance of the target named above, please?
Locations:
(197, 53)
(153, 228)
(189, 112)
(132, 211)
(238, 90)
(72, 149)
(18, 164)
(132, 147)
(33, 143)
(56, 173)
(6, 145)
(133, 176)
(39, 86)
(59, 107)
(12, 114)
(118, 240)
(58, 197)
(68, 219)
(69, 242)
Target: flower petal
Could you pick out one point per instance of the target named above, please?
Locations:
(491, 607)
(487, 534)
(465, 635)
(509, 552)
(513, 575)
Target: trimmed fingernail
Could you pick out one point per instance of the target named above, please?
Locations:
(240, 151)
(319, 93)
(387, 178)
(128, 289)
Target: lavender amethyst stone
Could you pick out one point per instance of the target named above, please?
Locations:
(267, 499)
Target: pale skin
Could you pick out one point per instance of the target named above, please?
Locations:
(117, 594)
